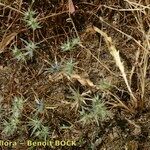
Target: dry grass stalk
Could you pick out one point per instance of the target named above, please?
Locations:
(6, 40)
(145, 65)
(123, 33)
(145, 41)
(113, 51)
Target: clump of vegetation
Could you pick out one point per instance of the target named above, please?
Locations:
(70, 44)
(77, 99)
(98, 112)
(36, 123)
(105, 85)
(31, 20)
(38, 129)
(69, 66)
(11, 125)
(25, 53)
(55, 67)
(18, 54)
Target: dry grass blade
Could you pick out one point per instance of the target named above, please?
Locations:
(119, 104)
(113, 51)
(6, 41)
(14, 9)
(137, 55)
(83, 81)
(145, 64)
(71, 7)
(123, 33)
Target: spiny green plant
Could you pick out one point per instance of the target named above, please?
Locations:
(97, 112)
(39, 106)
(24, 53)
(68, 67)
(55, 67)
(17, 104)
(36, 123)
(70, 44)
(29, 48)
(11, 125)
(18, 54)
(99, 109)
(85, 117)
(31, 20)
(104, 85)
(42, 133)
(38, 129)
(78, 99)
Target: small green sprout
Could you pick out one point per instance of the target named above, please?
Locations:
(70, 44)
(11, 125)
(24, 53)
(31, 21)
(39, 105)
(97, 112)
(68, 67)
(18, 54)
(78, 99)
(55, 67)
(29, 48)
(85, 117)
(35, 125)
(38, 129)
(42, 133)
(17, 104)
(29, 14)
(104, 85)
